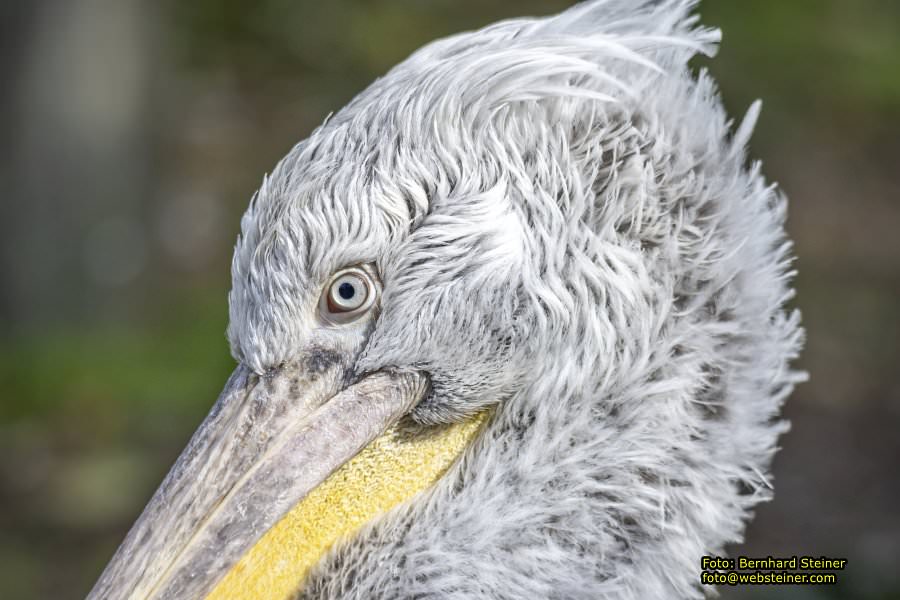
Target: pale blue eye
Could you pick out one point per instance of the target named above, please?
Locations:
(349, 295)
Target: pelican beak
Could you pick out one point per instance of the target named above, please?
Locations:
(265, 445)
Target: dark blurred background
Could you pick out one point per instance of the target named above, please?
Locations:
(134, 134)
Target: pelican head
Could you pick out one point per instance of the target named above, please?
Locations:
(509, 325)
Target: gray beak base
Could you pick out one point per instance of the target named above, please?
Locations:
(268, 441)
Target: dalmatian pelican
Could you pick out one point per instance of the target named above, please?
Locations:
(511, 324)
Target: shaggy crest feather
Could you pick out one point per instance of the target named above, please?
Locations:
(567, 232)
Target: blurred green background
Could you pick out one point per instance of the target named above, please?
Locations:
(134, 134)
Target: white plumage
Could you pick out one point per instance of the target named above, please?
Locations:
(567, 230)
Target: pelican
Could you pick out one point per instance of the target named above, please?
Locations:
(511, 324)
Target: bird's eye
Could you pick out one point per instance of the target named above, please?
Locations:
(350, 293)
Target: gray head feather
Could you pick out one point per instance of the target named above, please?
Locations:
(566, 229)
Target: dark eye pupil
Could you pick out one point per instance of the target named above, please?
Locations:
(346, 290)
